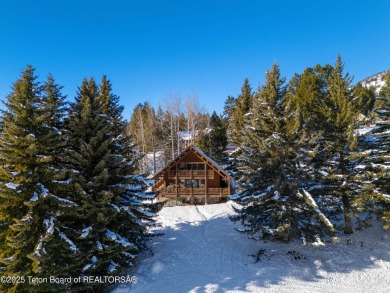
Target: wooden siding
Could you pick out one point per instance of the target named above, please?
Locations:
(171, 191)
(191, 173)
(193, 178)
(190, 157)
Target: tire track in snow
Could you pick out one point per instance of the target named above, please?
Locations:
(201, 252)
(227, 251)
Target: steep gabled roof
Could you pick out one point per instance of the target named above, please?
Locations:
(200, 153)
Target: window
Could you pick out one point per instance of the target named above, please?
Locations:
(191, 183)
(192, 167)
(201, 183)
(200, 166)
(182, 183)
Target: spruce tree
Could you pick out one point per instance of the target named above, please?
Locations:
(324, 97)
(339, 120)
(218, 139)
(213, 139)
(365, 100)
(238, 113)
(306, 91)
(30, 145)
(110, 225)
(383, 143)
(374, 167)
(306, 95)
(203, 141)
(228, 107)
(275, 203)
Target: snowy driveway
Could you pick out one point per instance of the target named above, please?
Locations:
(201, 252)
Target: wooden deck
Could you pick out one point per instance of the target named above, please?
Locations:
(194, 195)
(191, 174)
(171, 191)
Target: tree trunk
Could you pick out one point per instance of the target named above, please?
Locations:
(347, 214)
(154, 155)
(143, 141)
(172, 138)
(345, 199)
(178, 135)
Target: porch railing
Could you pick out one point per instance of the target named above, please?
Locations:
(195, 174)
(195, 191)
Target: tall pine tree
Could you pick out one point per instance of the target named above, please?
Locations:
(375, 166)
(275, 203)
(109, 226)
(228, 107)
(30, 147)
(339, 120)
(213, 139)
(238, 113)
(218, 139)
(383, 143)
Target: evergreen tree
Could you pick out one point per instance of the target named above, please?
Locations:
(365, 100)
(306, 93)
(218, 139)
(383, 142)
(339, 120)
(374, 168)
(213, 139)
(30, 146)
(238, 113)
(383, 135)
(329, 111)
(109, 226)
(203, 141)
(228, 108)
(275, 203)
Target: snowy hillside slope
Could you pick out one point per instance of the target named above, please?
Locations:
(375, 81)
(201, 252)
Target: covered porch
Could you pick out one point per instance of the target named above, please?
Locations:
(195, 195)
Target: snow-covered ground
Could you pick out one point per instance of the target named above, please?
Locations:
(201, 252)
(375, 80)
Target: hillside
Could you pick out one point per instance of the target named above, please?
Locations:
(201, 252)
(374, 80)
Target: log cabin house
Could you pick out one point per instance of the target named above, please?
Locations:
(192, 178)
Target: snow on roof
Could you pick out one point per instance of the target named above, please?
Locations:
(211, 160)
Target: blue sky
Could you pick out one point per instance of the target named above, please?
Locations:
(153, 49)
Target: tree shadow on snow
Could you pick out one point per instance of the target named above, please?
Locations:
(212, 256)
